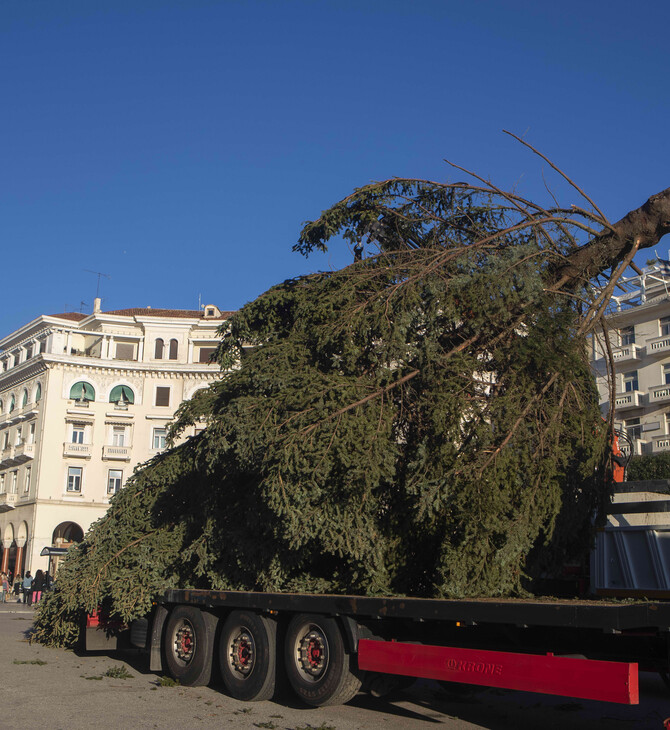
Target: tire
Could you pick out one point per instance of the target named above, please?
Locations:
(318, 668)
(189, 645)
(248, 656)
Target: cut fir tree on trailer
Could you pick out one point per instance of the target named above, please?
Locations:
(421, 423)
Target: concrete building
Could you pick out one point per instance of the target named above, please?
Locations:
(640, 343)
(83, 400)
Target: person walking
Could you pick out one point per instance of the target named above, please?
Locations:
(38, 586)
(17, 587)
(28, 588)
(6, 589)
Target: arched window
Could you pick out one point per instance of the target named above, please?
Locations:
(122, 394)
(38, 393)
(174, 348)
(12, 403)
(82, 391)
(158, 353)
(24, 399)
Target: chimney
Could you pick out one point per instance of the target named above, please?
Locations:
(96, 305)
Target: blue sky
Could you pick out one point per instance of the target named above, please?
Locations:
(178, 145)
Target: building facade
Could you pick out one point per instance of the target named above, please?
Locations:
(639, 338)
(83, 400)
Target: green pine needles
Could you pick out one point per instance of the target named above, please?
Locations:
(422, 422)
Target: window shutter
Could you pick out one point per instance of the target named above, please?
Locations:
(162, 396)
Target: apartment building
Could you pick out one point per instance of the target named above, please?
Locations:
(83, 400)
(639, 338)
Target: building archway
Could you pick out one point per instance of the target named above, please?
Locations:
(66, 534)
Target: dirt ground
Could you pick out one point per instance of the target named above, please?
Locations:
(74, 691)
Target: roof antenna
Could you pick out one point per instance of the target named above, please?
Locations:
(99, 274)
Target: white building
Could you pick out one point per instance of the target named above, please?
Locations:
(640, 344)
(83, 400)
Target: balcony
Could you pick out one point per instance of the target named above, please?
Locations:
(626, 354)
(659, 345)
(631, 399)
(78, 450)
(7, 457)
(119, 453)
(660, 444)
(7, 501)
(24, 452)
(659, 394)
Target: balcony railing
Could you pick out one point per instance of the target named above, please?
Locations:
(659, 394)
(660, 444)
(8, 499)
(81, 450)
(659, 345)
(631, 399)
(24, 452)
(116, 452)
(626, 353)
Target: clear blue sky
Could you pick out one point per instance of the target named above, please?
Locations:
(178, 145)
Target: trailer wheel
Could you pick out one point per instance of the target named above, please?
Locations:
(248, 656)
(189, 645)
(317, 665)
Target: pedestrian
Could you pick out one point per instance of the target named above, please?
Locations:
(28, 588)
(17, 587)
(6, 589)
(38, 586)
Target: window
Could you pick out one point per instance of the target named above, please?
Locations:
(633, 428)
(5, 441)
(159, 438)
(78, 433)
(125, 351)
(17, 442)
(15, 481)
(24, 399)
(206, 354)
(665, 326)
(119, 436)
(114, 479)
(666, 373)
(628, 335)
(82, 392)
(158, 351)
(210, 312)
(122, 395)
(26, 483)
(12, 404)
(38, 393)
(29, 352)
(2, 483)
(630, 381)
(162, 396)
(74, 479)
(31, 434)
(174, 349)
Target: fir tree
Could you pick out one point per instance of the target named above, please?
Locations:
(422, 422)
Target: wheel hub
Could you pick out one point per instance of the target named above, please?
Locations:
(184, 643)
(242, 653)
(313, 653)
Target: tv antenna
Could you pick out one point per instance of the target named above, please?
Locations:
(99, 274)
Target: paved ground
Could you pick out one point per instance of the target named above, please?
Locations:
(56, 689)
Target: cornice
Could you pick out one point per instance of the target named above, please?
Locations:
(22, 373)
(132, 368)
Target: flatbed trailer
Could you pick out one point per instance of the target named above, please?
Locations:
(329, 646)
